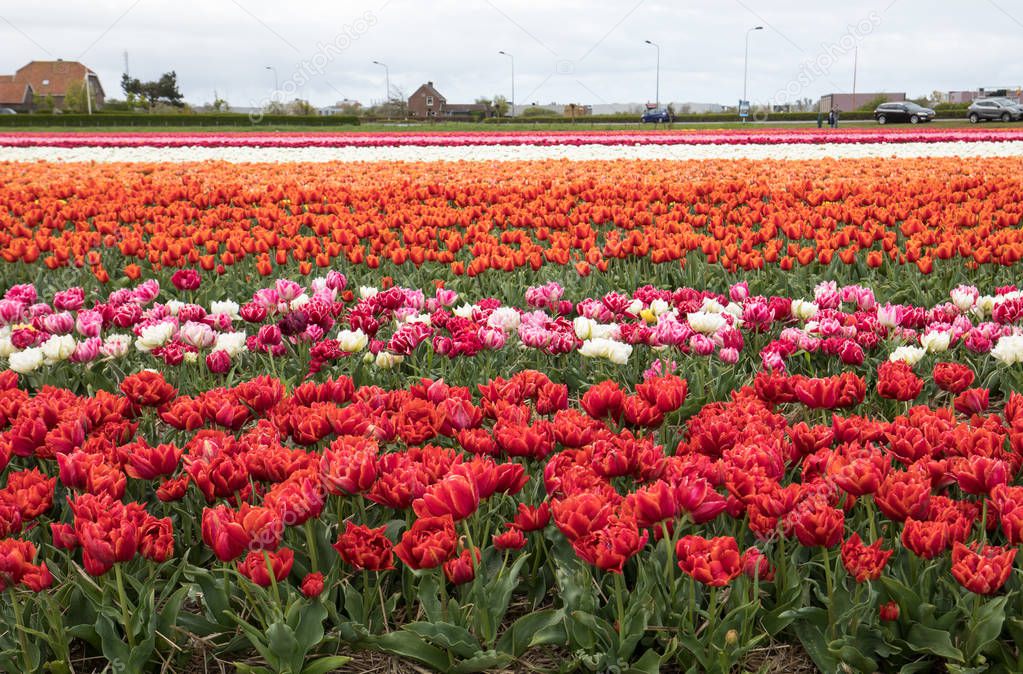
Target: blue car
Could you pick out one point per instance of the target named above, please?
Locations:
(656, 116)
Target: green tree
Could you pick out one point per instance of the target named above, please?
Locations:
(301, 108)
(163, 90)
(42, 103)
(501, 107)
(75, 97)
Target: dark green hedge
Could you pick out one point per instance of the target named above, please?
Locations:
(143, 120)
(679, 118)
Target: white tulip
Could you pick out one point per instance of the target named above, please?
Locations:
(226, 307)
(352, 341)
(26, 361)
(365, 292)
(659, 306)
(231, 342)
(154, 336)
(58, 348)
(804, 310)
(1008, 350)
(386, 360)
(464, 311)
(936, 341)
(707, 323)
(583, 326)
(908, 354)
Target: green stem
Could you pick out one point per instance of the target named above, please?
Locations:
(692, 606)
(669, 571)
(443, 593)
(620, 605)
(828, 581)
(273, 580)
(380, 595)
(20, 626)
(122, 598)
(310, 541)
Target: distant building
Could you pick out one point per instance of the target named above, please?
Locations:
(577, 110)
(428, 103)
(15, 95)
(850, 102)
(51, 80)
(960, 97)
(344, 107)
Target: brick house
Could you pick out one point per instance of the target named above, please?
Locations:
(428, 103)
(51, 79)
(15, 95)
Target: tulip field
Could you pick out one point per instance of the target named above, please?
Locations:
(488, 410)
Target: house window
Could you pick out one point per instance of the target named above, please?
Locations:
(45, 82)
(429, 100)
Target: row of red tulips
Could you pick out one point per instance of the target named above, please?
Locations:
(767, 483)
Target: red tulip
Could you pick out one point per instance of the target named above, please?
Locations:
(462, 569)
(926, 539)
(889, 611)
(756, 565)
(428, 543)
(864, 562)
(148, 389)
(904, 494)
(609, 547)
(532, 519)
(714, 562)
(953, 377)
(817, 524)
(254, 566)
(223, 534)
(982, 570)
(312, 585)
(365, 548)
(513, 539)
(455, 495)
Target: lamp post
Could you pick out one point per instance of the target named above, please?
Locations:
(745, 68)
(512, 80)
(276, 84)
(387, 81)
(657, 96)
(88, 92)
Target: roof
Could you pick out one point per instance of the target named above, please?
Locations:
(466, 107)
(14, 93)
(51, 78)
(429, 90)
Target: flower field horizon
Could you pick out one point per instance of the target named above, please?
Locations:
(588, 411)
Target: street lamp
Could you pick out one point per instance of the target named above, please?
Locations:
(745, 68)
(512, 80)
(387, 81)
(658, 94)
(277, 86)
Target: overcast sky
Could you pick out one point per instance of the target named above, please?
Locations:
(590, 51)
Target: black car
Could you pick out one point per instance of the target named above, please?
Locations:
(656, 116)
(903, 111)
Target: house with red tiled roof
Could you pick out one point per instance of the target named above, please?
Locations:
(15, 95)
(428, 103)
(50, 81)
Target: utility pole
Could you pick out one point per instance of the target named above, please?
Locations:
(856, 59)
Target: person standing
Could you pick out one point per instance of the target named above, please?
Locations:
(832, 118)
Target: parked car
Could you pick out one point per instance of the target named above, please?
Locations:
(1002, 109)
(903, 111)
(7, 111)
(656, 116)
